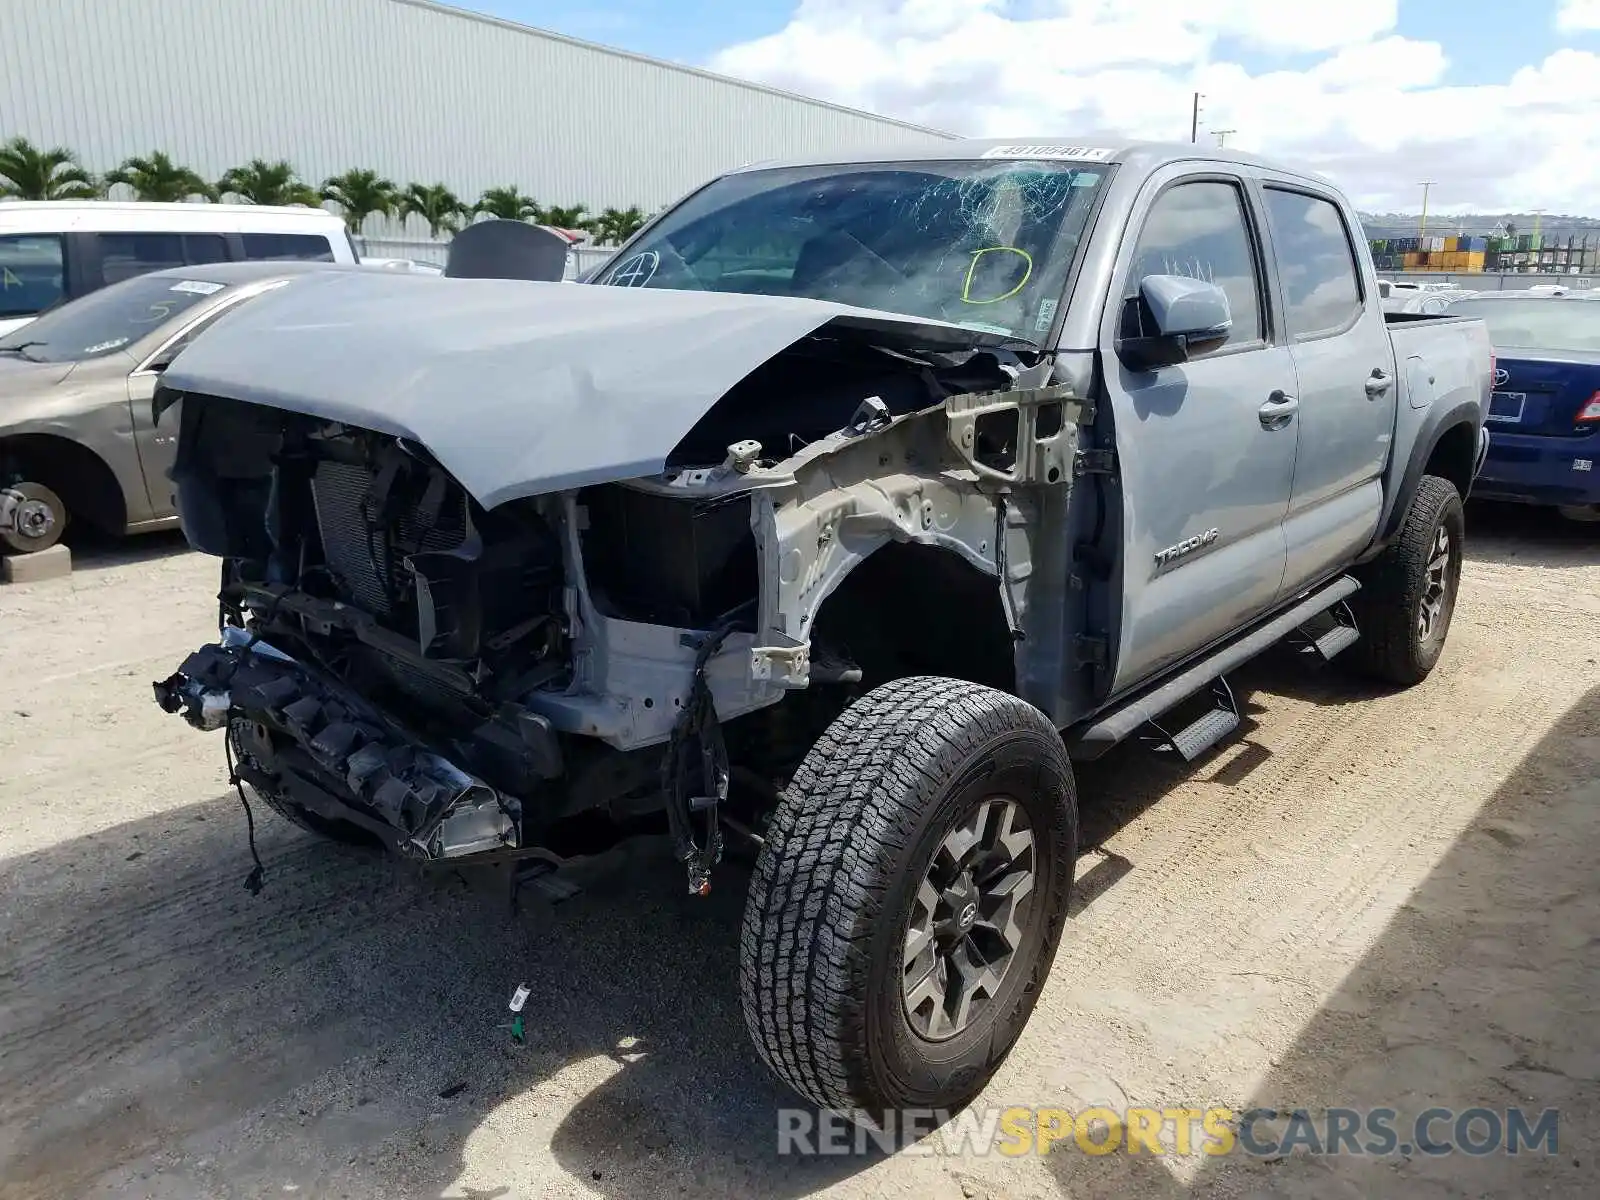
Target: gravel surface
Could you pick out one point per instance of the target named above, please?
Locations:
(1367, 898)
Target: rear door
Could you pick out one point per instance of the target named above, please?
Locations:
(1344, 364)
(1206, 448)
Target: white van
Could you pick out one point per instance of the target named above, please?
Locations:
(57, 250)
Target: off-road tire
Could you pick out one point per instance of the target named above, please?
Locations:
(821, 948)
(1394, 584)
(15, 541)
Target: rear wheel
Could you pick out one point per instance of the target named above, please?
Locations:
(1408, 593)
(906, 907)
(38, 519)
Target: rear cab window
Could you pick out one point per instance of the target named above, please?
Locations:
(32, 273)
(1316, 262)
(287, 247)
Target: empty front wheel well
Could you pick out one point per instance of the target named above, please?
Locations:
(78, 475)
(1454, 456)
(919, 610)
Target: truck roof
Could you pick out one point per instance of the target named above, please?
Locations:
(1146, 155)
(65, 216)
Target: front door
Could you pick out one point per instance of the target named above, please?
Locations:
(1345, 364)
(157, 444)
(1206, 448)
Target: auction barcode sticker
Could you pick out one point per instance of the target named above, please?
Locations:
(1092, 153)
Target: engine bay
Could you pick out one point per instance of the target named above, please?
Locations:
(457, 675)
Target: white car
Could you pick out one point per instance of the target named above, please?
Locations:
(54, 251)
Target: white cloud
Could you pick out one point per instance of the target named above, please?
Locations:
(1574, 16)
(1361, 103)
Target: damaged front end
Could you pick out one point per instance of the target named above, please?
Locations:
(465, 629)
(315, 745)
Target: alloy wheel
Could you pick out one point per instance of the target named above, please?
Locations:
(1434, 611)
(969, 919)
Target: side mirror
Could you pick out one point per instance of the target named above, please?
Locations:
(1172, 319)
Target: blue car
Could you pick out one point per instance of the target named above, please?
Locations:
(1544, 416)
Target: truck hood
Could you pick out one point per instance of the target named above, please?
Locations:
(519, 388)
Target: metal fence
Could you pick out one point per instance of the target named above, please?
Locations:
(579, 258)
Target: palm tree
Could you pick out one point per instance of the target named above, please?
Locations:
(29, 173)
(508, 204)
(572, 217)
(616, 225)
(263, 182)
(436, 204)
(158, 178)
(360, 193)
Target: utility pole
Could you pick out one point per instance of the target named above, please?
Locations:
(1194, 120)
(1222, 135)
(1422, 226)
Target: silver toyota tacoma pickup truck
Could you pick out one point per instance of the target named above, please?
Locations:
(835, 515)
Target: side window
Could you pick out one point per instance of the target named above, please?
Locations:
(1322, 288)
(32, 273)
(124, 255)
(276, 247)
(1200, 230)
(202, 248)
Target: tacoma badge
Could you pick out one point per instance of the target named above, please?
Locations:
(1187, 546)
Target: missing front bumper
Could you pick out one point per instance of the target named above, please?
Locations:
(315, 744)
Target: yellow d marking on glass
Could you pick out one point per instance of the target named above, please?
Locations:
(966, 288)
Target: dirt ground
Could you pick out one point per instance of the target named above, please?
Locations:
(1368, 899)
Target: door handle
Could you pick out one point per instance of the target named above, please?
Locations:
(1279, 410)
(1378, 383)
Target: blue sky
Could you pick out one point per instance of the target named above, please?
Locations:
(1499, 102)
(1485, 42)
(686, 31)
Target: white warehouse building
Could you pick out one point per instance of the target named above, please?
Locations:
(416, 91)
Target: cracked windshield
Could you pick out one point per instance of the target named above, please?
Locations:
(986, 245)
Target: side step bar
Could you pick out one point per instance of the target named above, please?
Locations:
(1328, 633)
(1111, 727)
(1216, 723)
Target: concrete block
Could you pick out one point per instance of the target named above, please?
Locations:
(54, 563)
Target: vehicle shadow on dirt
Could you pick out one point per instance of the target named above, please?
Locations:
(94, 551)
(165, 1033)
(1524, 536)
(1479, 994)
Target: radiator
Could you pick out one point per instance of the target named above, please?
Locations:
(365, 567)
